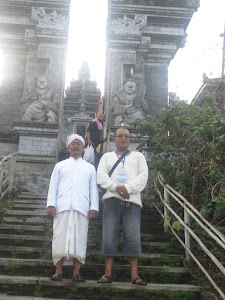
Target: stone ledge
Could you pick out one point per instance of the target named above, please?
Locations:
(49, 263)
(43, 281)
(34, 125)
(36, 159)
(8, 297)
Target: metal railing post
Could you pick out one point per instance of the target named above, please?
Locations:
(1, 180)
(12, 174)
(166, 212)
(187, 236)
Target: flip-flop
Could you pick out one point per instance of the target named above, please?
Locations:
(105, 279)
(139, 281)
(56, 277)
(78, 278)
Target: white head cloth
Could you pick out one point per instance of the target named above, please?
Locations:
(75, 137)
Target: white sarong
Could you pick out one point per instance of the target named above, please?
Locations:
(70, 230)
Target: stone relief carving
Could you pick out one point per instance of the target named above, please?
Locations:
(129, 104)
(128, 26)
(56, 55)
(42, 102)
(51, 20)
(117, 60)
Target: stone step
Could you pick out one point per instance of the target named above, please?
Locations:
(6, 248)
(43, 281)
(29, 206)
(9, 297)
(43, 229)
(22, 227)
(32, 196)
(41, 212)
(30, 201)
(24, 219)
(25, 237)
(29, 214)
(49, 263)
(43, 238)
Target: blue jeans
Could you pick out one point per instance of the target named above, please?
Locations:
(117, 213)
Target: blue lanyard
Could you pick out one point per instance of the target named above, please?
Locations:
(122, 160)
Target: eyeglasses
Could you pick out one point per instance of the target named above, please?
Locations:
(122, 136)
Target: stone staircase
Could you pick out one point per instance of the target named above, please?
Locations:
(26, 265)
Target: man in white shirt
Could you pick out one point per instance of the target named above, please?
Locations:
(72, 201)
(122, 203)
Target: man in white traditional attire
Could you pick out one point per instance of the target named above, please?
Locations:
(72, 201)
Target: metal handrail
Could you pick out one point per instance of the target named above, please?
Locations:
(191, 211)
(7, 172)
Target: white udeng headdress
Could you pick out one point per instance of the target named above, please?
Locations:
(75, 137)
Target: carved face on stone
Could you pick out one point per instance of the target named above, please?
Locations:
(130, 87)
(42, 82)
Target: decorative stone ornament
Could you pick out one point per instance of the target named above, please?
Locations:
(52, 20)
(128, 26)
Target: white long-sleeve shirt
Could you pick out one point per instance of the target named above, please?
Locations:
(73, 186)
(137, 175)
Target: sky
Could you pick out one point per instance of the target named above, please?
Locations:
(87, 39)
(201, 54)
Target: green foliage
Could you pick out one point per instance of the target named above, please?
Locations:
(187, 145)
(38, 292)
(177, 225)
(167, 222)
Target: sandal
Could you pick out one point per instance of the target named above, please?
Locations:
(56, 277)
(139, 281)
(78, 278)
(105, 279)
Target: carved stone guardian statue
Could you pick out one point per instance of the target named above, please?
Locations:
(42, 102)
(129, 104)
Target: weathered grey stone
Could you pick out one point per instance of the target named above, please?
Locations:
(34, 43)
(129, 104)
(143, 38)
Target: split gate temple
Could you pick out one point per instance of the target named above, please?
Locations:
(37, 114)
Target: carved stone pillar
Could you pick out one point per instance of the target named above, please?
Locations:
(143, 37)
(34, 40)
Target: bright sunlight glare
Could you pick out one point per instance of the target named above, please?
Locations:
(87, 40)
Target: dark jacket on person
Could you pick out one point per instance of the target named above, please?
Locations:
(95, 133)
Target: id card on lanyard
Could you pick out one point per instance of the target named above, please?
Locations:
(121, 173)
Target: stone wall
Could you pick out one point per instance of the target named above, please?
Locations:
(7, 148)
(33, 173)
(156, 78)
